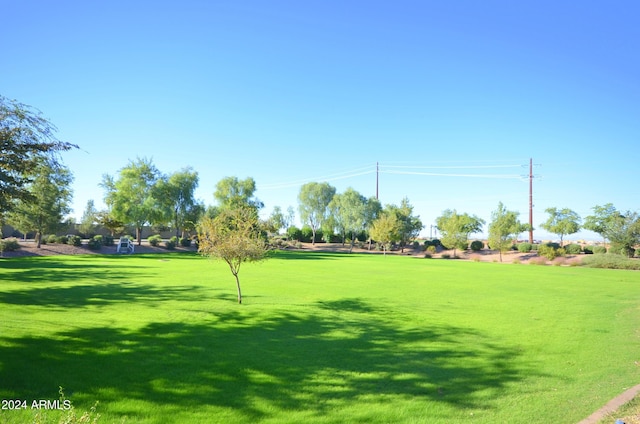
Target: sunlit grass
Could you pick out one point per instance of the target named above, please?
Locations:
(320, 337)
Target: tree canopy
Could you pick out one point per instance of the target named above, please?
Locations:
(562, 222)
(385, 230)
(456, 228)
(313, 201)
(48, 201)
(175, 195)
(504, 229)
(26, 138)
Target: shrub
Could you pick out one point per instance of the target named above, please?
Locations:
(524, 247)
(294, 233)
(185, 242)
(610, 261)
(588, 250)
(431, 250)
(154, 240)
(550, 252)
(600, 250)
(476, 245)
(62, 239)
(108, 241)
(51, 238)
(428, 255)
(573, 249)
(171, 243)
(446, 256)
(432, 242)
(9, 245)
(75, 240)
(306, 234)
(95, 243)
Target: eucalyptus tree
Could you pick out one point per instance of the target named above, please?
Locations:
(130, 197)
(26, 139)
(232, 192)
(456, 228)
(49, 196)
(175, 195)
(410, 225)
(350, 210)
(504, 229)
(562, 222)
(313, 204)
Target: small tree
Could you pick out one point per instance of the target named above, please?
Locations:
(233, 236)
(88, 220)
(313, 201)
(456, 228)
(385, 230)
(503, 229)
(562, 222)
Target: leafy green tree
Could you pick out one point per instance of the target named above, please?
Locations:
(350, 210)
(386, 229)
(504, 229)
(26, 139)
(89, 219)
(410, 225)
(313, 203)
(562, 222)
(372, 210)
(233, 193)
(105, 219)
(175, 195)
(601, 220)
(276, 221)
(623, 231)
(456, 228)
(48, 201)
(234, 236)
(130, 198)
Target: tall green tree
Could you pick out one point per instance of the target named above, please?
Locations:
(26, 139)
(130, 198)
(622, 229)
(562, 222)
(234, 236)
(349, 209)
(504, 229)
(410, 225)
(372, 211)
(385, 230)
(175, 195)
(48, 201)
(89, 219)
(232, 192)
(313, 204)
(455, 228)
(601, 220)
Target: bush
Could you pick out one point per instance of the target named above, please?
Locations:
(154, 240)
(599, 250)
(294, 234)
(75, 240)
(550, 252)
(524, 247)
(446, 256)
(610, 261)
(9, 245)
(51, 238)
(588, 250)
(108, 241)
(171, 243)
(96, 242)
(431, 250)
(62, 239)
(185, 242)
(573, 249)
(476, 245)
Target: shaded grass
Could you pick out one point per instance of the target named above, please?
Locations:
(326, 338)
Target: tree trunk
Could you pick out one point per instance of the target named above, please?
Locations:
(139, 235)
(38, 239)
(239, 291)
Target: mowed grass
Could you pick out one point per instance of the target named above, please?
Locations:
(320, 338)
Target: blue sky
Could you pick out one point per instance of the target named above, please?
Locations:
(288, 92)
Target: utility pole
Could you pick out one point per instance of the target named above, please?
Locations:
(377, 173)
(530, 200)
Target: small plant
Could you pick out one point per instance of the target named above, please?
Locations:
(170, 244)
(154, 240)
(599, 250)
(62, 239)
(51, 238)
(431, 249)
(610, 261)
(9, 245)
(428, 255)
(185, 242)
(524, 247)
(446, 256)
(550, 251)
(476, 245)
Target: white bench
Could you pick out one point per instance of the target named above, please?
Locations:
(125, 246)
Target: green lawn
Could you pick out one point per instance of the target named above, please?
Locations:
(324, 338)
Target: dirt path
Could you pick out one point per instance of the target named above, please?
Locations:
(612, 406)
